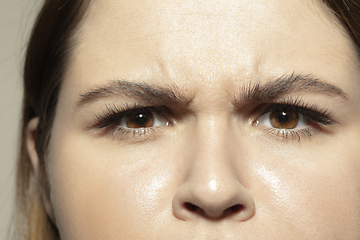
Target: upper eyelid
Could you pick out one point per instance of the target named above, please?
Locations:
(296, 102)
(115, 113)
(290, 106)
(312, 112)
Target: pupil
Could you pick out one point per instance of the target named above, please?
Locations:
(141, 119)
(283, 117)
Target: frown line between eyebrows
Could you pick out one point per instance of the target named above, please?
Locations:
(150, 93)
(284, 85)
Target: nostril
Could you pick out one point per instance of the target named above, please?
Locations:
(229, 200)
(191, 207)
(226, 212)
(236, 208)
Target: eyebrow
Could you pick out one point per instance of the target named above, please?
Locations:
(284, 85)
(150, 93)
(250, 94)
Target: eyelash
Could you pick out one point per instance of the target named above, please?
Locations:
(109, 118)
(317, 116)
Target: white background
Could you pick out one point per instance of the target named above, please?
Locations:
(16, 20)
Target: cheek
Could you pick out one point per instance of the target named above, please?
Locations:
(317, 190)
(107, 188)
(103, 189)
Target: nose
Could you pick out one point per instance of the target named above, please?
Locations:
(213, 200)
(212, 189)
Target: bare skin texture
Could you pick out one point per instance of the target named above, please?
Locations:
(210, 167)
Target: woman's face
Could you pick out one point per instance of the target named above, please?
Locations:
(208, 120)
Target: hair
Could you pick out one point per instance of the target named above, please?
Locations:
(49, 49)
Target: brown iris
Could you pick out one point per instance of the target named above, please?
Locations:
(284, 119)
(140, 120)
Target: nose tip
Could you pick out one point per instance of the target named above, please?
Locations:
(213, 201)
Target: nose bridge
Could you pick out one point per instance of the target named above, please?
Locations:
(212, 129)
(211, 155)
(212, 174)
(212, 189)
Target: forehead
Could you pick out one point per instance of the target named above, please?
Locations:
(209, 39)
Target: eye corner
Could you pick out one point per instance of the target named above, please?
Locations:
(254, 122)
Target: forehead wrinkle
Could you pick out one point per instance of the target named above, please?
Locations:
(213, 53)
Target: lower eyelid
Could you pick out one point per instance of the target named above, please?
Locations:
(291, 134)
(136, 135)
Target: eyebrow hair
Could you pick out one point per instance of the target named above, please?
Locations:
(284, 85)
(149, 93)
(250, 94)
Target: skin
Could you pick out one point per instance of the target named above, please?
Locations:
(212, 154)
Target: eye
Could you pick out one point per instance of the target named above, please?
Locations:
(132, 121)
(285, 118)
(294, 119)
(145, 118)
